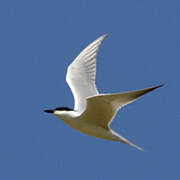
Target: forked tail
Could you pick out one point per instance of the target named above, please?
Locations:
(124, 140)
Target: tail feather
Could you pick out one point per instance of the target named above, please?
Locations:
(124, 140)
(135, 146)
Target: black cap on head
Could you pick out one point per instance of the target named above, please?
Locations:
(63, 109)
(58, 109)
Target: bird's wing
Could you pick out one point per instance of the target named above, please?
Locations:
(81, 74)
(101, 109)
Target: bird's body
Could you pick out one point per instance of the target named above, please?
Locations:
(93, 112)
(77, 122)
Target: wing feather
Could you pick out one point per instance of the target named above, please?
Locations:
(101, 109)
(81, 74)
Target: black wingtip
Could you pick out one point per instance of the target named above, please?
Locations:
(49, 111)
(159, 86)
(154, 87)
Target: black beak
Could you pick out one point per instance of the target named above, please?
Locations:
(49, 111)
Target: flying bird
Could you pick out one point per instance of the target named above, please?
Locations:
(93, 112)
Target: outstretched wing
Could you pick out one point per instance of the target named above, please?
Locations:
(81, 74)
(101, 109)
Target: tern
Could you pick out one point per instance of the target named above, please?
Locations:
(94, 112)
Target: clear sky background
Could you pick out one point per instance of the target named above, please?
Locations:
(39, 39)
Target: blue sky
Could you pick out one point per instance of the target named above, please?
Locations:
(39, 39)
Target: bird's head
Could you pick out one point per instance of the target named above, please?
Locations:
(59, 110)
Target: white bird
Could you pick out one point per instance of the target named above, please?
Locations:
(93, 112)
